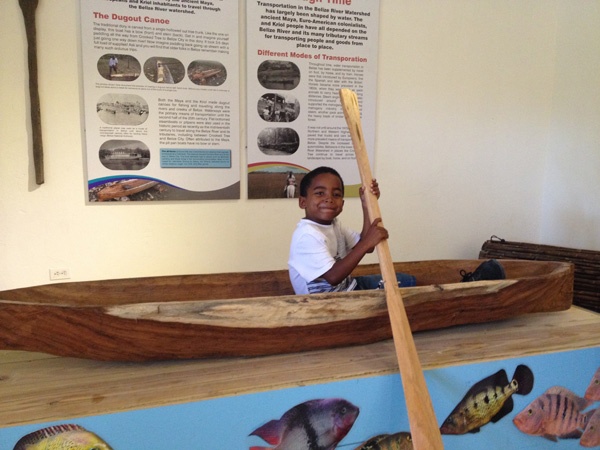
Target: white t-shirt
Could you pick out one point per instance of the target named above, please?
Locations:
(314, 250)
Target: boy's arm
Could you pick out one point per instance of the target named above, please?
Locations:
(344, 267)
(366, 222)
(370, 236)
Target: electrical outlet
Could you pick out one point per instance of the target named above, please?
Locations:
(59, 274)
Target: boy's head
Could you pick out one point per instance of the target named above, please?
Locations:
(310, 176)
(322, 195)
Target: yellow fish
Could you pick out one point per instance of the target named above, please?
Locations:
(62, 437)
(396, 441)
(488, 401)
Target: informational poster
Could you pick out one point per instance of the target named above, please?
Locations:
(161, 93)
(300, 53)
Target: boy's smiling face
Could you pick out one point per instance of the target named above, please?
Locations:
(324, 199)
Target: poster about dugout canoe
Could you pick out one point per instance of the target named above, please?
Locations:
(161, 99)
(300, 53)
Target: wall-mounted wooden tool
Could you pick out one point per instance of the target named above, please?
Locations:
(29, 7)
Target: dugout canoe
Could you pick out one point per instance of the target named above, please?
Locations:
(125, 188)
(256, 313)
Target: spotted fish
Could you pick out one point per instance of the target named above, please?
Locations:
(313, 425)
(62, 437)
(488, 400)
(396, 441)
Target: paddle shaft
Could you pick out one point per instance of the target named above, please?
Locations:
(28, 8)
(423, 425)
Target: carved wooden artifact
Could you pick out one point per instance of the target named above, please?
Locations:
(28, 7)
(256, 313)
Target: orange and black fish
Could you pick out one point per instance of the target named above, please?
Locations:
(591, 435)
(593, 390)
(61, 437)
(488, 401)
(396, 441)
(315, 424)
(557, 413)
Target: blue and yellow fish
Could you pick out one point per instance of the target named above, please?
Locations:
(396, 441)
(62, 437)
(489, 400)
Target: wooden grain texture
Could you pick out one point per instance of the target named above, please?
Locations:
(37, 387)
(198, 316)
(423, 425)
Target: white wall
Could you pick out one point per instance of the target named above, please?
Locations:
(571, 200)
(465, 96)
(487, 124)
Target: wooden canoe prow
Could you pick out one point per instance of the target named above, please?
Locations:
(125, 188)
(256, 313)
(201, 76)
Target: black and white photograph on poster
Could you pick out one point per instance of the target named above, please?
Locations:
(129, 155)
(161, 100)
(273, 107)
(299, 55)
(122, 109)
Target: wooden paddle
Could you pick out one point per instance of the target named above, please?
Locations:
(28, 8)
(423, 425)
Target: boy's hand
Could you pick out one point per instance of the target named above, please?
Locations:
(375, 234)
(374, 188)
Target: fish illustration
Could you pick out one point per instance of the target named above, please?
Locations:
(593, 391)
(315, 424)
(488, 400)
(396, 441)
(62, 437)
(554, 414)
(591, 435)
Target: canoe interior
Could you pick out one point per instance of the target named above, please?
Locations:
(245, 284)
(256, 314)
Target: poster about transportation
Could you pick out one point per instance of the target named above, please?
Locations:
(161, 99)
(300, 53)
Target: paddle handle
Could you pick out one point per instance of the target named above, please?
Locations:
(423, 424)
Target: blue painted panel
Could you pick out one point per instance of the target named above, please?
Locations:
(225, 423)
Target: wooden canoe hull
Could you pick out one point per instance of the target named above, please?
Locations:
(253, 314)
(125, 188)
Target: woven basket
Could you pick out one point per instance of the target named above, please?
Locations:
(586, 289)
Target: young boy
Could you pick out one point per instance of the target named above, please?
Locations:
(323, 253)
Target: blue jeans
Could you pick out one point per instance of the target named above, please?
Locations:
(366, 282)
